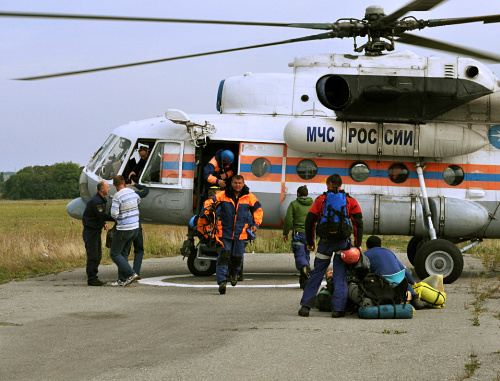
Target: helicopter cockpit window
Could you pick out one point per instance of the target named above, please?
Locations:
(261, 166)
(307, 169)
(359, 172)
(99, 155)
(398, 173)
(453, 175)
(164, 164)
(111, 165)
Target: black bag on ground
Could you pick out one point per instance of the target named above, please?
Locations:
(378, 289)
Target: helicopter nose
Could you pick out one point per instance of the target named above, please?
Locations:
(76, 208)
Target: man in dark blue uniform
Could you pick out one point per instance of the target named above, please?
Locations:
(94, 219)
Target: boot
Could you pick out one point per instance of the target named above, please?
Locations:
(304, 311)
(222, 287)
(305, 274)
(417, 303)
(338, 314)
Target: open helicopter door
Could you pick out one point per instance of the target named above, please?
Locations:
(263, 167)
(169, 175)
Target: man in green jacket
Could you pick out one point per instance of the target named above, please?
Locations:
(295, 221)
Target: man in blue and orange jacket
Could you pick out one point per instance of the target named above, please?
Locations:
(218, 170)
(237, 211)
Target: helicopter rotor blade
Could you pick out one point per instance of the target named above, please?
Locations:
(424, 42)
(321, 36)
(415, 5)
(322, 26)
(463, 20)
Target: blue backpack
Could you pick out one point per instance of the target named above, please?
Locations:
(335, 225)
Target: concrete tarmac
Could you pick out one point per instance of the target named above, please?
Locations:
(56, 327)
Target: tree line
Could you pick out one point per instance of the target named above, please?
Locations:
(48, 182)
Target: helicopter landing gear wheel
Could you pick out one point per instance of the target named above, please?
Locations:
(439, 256)
(413, 246)
(200, 267)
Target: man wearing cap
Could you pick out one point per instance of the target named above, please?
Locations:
(384, 262)
(218, 170)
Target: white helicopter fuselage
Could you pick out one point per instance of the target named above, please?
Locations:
(415, 140)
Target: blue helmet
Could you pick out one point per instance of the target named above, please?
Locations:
(227, 156)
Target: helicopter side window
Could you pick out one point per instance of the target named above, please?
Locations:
(164, 165)
(453, 175)
(359, 172)
(307, 169)
(111, 165)
(261, 166)
(398, 173)
(99, 155)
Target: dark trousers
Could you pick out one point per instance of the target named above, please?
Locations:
(93, 246)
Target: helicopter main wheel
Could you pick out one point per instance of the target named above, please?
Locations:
(439, 256)
(200, 267)
(413, 246)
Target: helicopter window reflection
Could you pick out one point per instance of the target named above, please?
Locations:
(261, 166)
(114, 160)
(453, 175)
(163, 166)
(359, 172)
(398, 173)
(307, 169)
(99, 155)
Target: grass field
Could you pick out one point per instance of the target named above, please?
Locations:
(39, 237)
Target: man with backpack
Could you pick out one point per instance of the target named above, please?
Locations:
(295, 221)
(384, 262)
(339, 215)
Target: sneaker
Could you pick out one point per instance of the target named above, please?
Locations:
(131, 279)
(338, 314)
(417, 303)
(234, 280)
(117, 283)
(222, 287)
(304, 311)
(96, 282)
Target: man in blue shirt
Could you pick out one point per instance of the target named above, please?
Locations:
(94, 219)
(384, 262)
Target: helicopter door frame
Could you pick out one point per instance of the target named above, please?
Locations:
(162, 165)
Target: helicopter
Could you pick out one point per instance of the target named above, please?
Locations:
(415, 139)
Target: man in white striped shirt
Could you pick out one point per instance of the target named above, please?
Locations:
(125, 210)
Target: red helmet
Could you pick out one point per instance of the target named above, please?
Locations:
(350, 256)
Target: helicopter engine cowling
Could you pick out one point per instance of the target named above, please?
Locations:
(391, 215)
(329, 136)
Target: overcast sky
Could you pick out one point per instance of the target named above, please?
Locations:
(67, 119)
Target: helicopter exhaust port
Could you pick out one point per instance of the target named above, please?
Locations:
(333, 92)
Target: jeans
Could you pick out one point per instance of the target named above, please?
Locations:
(120, 249)
(323, 257)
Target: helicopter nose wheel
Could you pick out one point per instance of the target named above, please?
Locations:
(439, 256)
